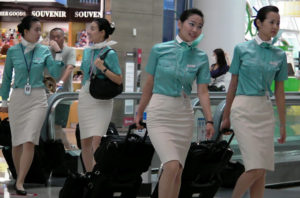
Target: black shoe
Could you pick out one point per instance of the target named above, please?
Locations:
(20, 192)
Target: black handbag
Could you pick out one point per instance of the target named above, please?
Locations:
(122, 155)
(5, 134)
(104, 89)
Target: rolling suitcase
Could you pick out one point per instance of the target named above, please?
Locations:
(120, 161)
(201, 174)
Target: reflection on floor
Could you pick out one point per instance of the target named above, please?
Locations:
(52, 191)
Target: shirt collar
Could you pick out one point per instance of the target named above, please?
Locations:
(179, 40)
(28, 46)
(103, 44)
(259, 41)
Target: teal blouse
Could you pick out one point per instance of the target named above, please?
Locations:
(257, 66)
(175, 66)
(15, 61)
(111, 62)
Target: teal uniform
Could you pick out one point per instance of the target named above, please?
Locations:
(15, 61)
(175, 66)
(111, 62)
(257, 66)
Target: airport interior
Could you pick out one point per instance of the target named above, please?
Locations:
(140, 24)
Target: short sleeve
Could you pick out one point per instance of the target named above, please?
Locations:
(71, 59)
(282, 74)
(112, 62)
(152, 61)
(203, 75)
(236, 62)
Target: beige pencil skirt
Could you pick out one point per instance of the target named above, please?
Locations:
(27, 114)
(252, 118)
(94, 115)
(170, 124)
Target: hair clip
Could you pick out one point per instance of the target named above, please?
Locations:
(112, 24)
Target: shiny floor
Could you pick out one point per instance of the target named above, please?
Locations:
(6, 191)
(52, 191)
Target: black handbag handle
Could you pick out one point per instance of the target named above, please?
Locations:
(133, 126)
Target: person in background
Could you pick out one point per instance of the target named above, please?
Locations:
(255, 64)
(218, 70)
(28, 101)
(172, 68)
(94, 115)
(64, 83)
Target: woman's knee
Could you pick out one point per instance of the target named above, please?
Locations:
(257, 173)
(86, 143)
(173, 166)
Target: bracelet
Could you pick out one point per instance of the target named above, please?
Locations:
(104, 70)
(58, 52)
(209, 122)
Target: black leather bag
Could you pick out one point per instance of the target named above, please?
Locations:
(5, 134)
(122, 155)
(104, 89)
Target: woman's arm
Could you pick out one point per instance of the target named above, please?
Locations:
(280, 102)
(112, 76)
(203, 96)
(229, 99)
(146, 96)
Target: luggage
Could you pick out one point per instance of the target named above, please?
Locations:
(201, 174)
(38, 172)
(231, 173)
(120, 161)
(5, 134)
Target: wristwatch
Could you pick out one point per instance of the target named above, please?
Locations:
(58, 52)
(104, 70)
(61, 82)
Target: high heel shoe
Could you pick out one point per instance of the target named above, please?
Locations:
(20, 192)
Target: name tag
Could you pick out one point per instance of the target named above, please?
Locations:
(191, 66)
(275, 64)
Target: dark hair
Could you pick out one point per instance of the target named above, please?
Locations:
(187, 13)
(57, 29)
(103, 24)
(262, 13)
(220, 55)
(26, 23)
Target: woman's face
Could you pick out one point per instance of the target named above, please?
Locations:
(33, 34)
(269, 27)
(94, 34)
(191, 28)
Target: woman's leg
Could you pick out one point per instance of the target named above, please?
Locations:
(87, 153)
(25, 163)
(96, 142)
(169, 183)
(246, 181)
(16, 155)
(258, 188)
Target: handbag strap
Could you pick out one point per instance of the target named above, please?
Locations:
(101, 56)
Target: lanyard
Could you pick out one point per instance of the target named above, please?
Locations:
(92, 60)
(28, 67)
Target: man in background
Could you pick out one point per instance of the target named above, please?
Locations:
(64, 83)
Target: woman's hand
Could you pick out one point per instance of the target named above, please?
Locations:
(225, 124)
(281, 140)
(138, 118)
(99, 64)
(209, 130)
(4, 109)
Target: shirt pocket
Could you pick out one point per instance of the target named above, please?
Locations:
(253, 74)
(19, 65)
